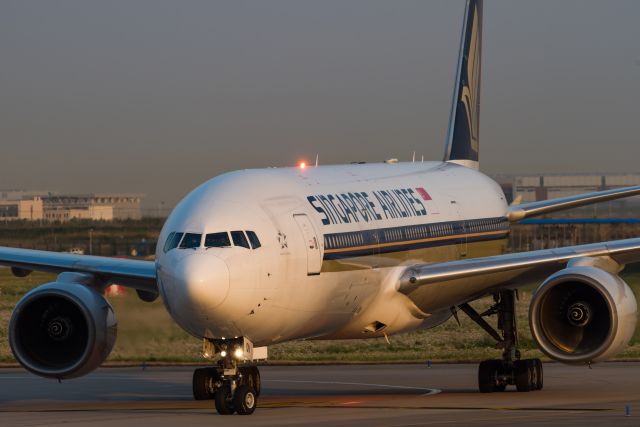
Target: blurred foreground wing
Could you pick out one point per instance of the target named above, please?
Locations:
(132, 273)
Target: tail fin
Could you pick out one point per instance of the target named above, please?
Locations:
(463, 140)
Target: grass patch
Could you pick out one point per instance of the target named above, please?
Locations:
(147, 334)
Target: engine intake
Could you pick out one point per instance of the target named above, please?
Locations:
(583, 314)
(62, 330)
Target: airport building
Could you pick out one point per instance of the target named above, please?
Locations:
(38, 206)
(542, 187)
(27, 209)
(12, 195)
(97, 206)
(530, 188)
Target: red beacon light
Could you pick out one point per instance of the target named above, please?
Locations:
(302, 165)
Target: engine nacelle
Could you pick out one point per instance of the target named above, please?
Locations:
(582, 315)
(62, 330)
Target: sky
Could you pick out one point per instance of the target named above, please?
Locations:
(157, 96)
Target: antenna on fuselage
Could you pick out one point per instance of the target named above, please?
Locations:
(317, 159)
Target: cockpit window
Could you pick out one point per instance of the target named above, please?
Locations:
(172, 241)
(253, 238)
(191, 240)
(239, 239)
(167, 243)
(217, 240)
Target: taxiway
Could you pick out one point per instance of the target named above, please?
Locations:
(341, 395)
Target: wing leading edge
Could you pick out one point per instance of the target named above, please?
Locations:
(439, 285)
(135, 274)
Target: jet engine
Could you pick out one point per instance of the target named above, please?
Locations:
(62, 330)
(582, 314)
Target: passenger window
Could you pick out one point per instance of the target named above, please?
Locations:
(172, 241)
(217, 240)
(191, 240)
(239, 239)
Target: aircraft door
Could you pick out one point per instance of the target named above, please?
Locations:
(460, 229)
(311, 242)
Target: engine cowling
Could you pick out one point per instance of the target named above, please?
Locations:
(62, 330)
(583, 315)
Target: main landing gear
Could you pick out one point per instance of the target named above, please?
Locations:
(496, 374)
(233, 388)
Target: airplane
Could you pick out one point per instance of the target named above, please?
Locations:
(252, 258)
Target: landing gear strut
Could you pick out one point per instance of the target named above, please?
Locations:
(233, 388)
(496, 374)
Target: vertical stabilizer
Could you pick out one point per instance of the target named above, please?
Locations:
(463, 139)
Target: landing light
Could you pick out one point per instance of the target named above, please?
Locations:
(238, 353)
(302, 165)
(223, 353)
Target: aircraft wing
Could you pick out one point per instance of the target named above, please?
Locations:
(439, 285)
(136, 274)
(525, 210)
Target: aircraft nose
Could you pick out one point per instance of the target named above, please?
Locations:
(204, 279)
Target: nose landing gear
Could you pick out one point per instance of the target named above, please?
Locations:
(233, 388)
(494, 375)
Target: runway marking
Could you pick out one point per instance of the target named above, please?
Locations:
(87, 378)
(430, 391)
(163, 407)
(323, 405)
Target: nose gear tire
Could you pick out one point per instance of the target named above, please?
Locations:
(203, 379)
(245, 400)
(222, 399)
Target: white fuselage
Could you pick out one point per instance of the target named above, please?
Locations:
(331, 240)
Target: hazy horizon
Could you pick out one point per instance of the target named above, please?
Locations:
(155, 97)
